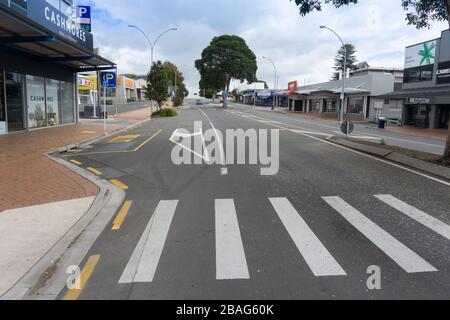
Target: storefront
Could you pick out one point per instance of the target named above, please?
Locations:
(425, 92)
(41, 52)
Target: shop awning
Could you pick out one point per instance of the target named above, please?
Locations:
(418, 93)
(22, 36)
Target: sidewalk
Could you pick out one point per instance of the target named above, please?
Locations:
(40, 200)
(407, 130)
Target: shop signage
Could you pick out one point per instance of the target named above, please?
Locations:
(419, 100)
(421, 55)
(292, 86)
(265, 94)
(55, 21)
(443, 73)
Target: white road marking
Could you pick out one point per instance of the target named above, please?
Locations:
(176, 133)
(425, 219)
(397, 251)
(231, 263)
(311, 248)
(144, 261)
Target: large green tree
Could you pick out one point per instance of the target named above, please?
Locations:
(419, 13)
(158, 84)
(340, 58)
(226, 58)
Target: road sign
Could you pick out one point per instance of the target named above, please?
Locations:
(347, 127)
(108, 79)
(84, 17)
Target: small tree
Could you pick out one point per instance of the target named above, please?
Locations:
(158, 84)
(340, 58)
(227, 57)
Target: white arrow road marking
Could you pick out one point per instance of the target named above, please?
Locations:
(144, 261)
(407, 259)
(231, 263)
(317, 257)
(177, 134)
(425, 219)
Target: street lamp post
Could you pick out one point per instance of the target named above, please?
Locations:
(344, 75)
(152, 44)
(275, 85)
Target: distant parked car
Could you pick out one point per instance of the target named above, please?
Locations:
(199, 102)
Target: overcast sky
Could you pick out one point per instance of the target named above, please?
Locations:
(273, 28)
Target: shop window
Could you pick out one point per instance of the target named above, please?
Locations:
(419, 74)
(314, 105)
(331, 106)
(355, 105)
(52, 99)
(2, 105)
(36, 102)
(67, 102)
(14, 100)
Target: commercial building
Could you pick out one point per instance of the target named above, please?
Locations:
(41, 52)
(324, 98)
(424, 98)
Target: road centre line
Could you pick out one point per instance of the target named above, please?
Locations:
(222, 152)
(364, 155)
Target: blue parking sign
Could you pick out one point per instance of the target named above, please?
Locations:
(108, 79)
(84, 12)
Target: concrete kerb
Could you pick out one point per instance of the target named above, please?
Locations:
(48, 277)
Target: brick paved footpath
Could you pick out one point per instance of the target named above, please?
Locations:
(28, 177)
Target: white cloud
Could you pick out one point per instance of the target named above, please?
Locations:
(301, 50)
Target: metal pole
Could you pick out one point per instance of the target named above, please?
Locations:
(104, 109)
(342, 116)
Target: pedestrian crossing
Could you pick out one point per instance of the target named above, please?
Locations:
(230, 249)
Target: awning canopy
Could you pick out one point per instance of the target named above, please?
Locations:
(22, 36)
(418, 93)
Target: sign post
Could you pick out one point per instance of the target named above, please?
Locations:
(108, 80)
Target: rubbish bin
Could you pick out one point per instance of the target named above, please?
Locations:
(382, 124)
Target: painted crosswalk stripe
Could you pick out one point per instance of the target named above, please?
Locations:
(407, 259)
(144, 261)
(317, 257)
(425, 219)
(231, 263)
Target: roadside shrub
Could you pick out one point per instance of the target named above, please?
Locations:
(165, 113)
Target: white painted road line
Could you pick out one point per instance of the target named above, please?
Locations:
(231, 263)
(317, 257)
(425, 219)
(144, 261)
(397, 251)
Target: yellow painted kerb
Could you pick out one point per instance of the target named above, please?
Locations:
(94, 171)
(117, 224)
(86, 273)
(119, 184)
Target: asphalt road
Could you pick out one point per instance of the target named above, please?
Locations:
(362, 131)
(311, 231)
